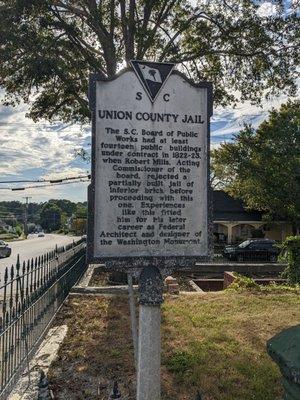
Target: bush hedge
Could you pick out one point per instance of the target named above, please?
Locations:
(8, 236)
(290, 252)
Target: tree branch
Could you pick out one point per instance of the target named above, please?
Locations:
(112, 19)
(98, 27)
(147, 14)
(124, 26)
(163, 13)
(131, 29)
(77, 38)
(104, 38)
(175, 36)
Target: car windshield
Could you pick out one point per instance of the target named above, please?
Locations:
(244, 244)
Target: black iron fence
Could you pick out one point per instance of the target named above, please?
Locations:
(31, 294)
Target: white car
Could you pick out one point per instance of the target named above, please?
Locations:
(5, 250)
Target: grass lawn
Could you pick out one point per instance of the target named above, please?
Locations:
(214, 343)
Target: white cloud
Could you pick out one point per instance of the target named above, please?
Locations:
(229, 120)
(25, 145)
(31, 150)
(267, 9)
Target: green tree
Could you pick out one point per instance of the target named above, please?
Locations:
(34, 212)
(262, 166)
(79, 220)
(11, 220)
(19, 230)
(49, 47)
(50, 217)
(81, 210)
(79, 225)
(31, 227)
(64, 221)
(290, 253)
(67, 206)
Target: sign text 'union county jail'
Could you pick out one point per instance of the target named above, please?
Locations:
(149, 196)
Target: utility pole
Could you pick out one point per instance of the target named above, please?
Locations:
(26, 216)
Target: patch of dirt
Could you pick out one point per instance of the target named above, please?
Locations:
(101, 278)
(97, 350)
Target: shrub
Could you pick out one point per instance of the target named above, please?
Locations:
(257, 234)
(18, 230)
(8, 236)
(243, 282)
(290, 252)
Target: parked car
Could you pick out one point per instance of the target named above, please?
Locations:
(253, 250)
(5, 250)
(41, 234)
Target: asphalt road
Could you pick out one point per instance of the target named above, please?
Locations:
(32, 247)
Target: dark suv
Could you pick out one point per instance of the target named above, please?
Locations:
(253, 250)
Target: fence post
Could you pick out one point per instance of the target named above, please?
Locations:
(43, 388)
(115, 393)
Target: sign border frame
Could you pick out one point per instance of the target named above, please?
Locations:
(131, 263)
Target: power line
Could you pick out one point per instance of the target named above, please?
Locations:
(47, 180)
(43, 186)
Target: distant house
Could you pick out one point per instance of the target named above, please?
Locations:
(5, 227)
(233, 223)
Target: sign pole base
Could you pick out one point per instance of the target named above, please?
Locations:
(149, 348)
(149, 357)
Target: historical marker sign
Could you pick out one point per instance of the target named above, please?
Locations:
(149, 196)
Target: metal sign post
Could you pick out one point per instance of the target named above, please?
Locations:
(151, 297)
(149, 198)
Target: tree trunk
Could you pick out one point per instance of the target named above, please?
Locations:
(110, 60)
(295, 229)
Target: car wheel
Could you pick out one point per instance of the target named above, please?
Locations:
(240, 257)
